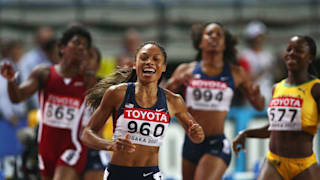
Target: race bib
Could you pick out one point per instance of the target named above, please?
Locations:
(284, 113)
(208, 95)
(61, 112)
(70, 156)
(146, 127)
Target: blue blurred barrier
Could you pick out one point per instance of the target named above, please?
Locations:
(9, 143)
(1, 175)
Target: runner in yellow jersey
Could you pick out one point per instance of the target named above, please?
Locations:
(293, 118)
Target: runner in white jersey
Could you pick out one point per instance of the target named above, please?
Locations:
(141, 111)
(208, 86)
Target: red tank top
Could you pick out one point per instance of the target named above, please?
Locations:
(62, 104)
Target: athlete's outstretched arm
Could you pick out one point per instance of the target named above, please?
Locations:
(239, 141)
(178, 108)
(26, 89)
(251, 90)
(90, 135)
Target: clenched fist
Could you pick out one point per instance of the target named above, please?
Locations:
(195, 132)
(7, 71)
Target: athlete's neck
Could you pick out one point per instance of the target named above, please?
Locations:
(295, 78)
(212, 63)
(67, 70)
(146, 94)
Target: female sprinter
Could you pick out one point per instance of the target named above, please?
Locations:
(141, 111)
(208, 85)
(293, 118)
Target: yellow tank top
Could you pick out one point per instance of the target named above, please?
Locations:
(293, 108)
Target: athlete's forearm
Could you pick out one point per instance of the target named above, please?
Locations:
(14, 91)
(92, 140)
(257, 132)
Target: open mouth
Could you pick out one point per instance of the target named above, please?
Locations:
(291, 62)
(148, 71)
(213, 43)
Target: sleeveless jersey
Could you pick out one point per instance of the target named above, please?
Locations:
(62, 104)
(211, 93)
(293, 108)
(146, 126)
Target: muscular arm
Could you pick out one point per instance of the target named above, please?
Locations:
(248, 88)
(26, 89)
(239, 141)
(90, 135)
(257, 132)
(178, 108)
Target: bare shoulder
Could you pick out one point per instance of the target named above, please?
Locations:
(40, 73)
(173, 98)
(186, 66)
(118, 90)
(114, 95)
(41, 69)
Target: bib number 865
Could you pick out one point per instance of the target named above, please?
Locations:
(145, 128)
(59, 112)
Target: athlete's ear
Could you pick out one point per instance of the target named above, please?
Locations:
(61, 50)
(134, 65)
(164, 68)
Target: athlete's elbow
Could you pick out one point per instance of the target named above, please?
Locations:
(84, 136)
(260, 107)
(15, 100)
(260, 104)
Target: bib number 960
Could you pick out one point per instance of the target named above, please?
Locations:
(144, 128)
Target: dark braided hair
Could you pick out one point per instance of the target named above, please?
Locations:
(313, 52)
(121, 75)
(230, 52)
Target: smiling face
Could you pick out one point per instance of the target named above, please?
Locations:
(213, 38)
(75, 50)
(297, 55)
(150, 63)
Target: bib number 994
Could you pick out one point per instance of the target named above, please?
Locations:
(206, 95)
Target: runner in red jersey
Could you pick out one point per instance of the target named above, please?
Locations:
(61, 90)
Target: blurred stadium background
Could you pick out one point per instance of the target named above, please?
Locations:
(169, 22)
